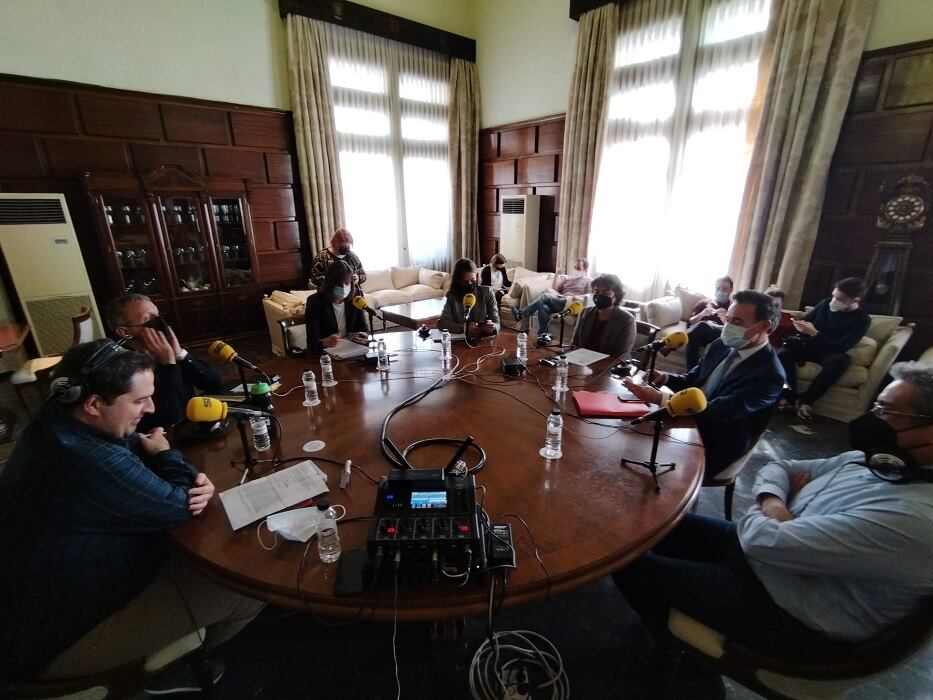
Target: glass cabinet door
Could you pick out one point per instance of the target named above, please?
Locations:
(235, 259)
(187, 245)
(133, 247)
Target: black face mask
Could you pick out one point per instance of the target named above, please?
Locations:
(157, 323)
(601, 301)
(466, 287)
(343, 250)
(878, 440)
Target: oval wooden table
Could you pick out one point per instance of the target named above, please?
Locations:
(588, 514)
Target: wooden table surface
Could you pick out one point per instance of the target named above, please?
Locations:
(588, 515)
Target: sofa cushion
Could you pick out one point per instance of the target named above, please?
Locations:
(688, 300)
(864, 352)
(431, 278)
(421, 291)
(517, 273)
(882, 327)
(664, 311)
(404, 276)
(854, 376)
(378, 279)
(388, 297)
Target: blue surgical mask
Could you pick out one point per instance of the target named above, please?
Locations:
(722, 297)
(341, 292)
(733, 336)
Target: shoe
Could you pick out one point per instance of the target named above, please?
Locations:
(183, 679)
(804, 412)
(543, 340)
(516, 313)
(784, 404)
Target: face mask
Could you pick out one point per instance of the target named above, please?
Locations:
(733, 336)
(343, 249)
(157, 323)
(601, 301)
(722, 297)
(836, 305)
(341, 292)
(298, 525)
(467, 287)
(878, 440)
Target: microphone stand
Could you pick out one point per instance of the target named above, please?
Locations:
(560, 346)
(249, 461)
(652, 357)
(243, 382)
(652, 464)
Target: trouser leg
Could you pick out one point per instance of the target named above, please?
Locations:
(700, 335)
(176, 603)
(834, 366)
(788, 359)
(550, 304)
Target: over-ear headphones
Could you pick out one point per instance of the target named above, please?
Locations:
(896, 466)
(69, 390)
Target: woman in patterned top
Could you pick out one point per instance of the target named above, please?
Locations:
(339, 249)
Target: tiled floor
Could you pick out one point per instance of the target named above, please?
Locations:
(288, 655)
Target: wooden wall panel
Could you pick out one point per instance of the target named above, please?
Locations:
(147, 157)
(488, 146)
(72, 157)
(280, 267)
(537, 169)
(103, 115)
(287, 236)
(272, 203)
(887, 134)
(279, 168)
(264, 235)
(489, 199)
(499, 172)
(517, 142)
(551, 137)
(19, 157)
(260, 130)
(41, 110)
(232, 162)
(195, 124)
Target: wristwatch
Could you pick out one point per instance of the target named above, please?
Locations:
(182, 356)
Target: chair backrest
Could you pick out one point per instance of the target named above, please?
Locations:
(729, 474)
(83, 326)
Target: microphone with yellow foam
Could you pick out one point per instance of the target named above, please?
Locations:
(688, 402)
(469, 301)
(666, 345)
(360, 302)
(204, 409)
(226, 353)
(574, 308)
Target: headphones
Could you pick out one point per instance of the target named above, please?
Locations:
(896, 467)
(69, 390)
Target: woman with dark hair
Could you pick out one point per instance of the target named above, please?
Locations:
(495, 276)
(484, 316)
(606, 327)
(330, 314)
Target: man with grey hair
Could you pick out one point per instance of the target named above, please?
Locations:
(832, 553)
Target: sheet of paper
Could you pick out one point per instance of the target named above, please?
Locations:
(256, 499)
(627, 395)
(346, 348)
(582, 356)
(436, 335)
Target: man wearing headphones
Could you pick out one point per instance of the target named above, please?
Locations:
(177, 373)
(829, 556)
(85, 501)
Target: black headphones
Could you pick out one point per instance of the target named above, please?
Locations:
(896, 466)
(69, 390)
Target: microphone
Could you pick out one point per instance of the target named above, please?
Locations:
(224, 352)
(573, 309)
(675, 340)
(469, 301)
(360, 302)
(688, 402)
(204, 409)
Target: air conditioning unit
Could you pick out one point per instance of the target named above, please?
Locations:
(41, 250)
(518, 229)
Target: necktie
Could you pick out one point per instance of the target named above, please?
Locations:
(719, 374)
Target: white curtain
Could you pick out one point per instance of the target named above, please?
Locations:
(391, 122)
(676, 153)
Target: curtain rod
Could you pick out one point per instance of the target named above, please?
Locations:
(365, 19)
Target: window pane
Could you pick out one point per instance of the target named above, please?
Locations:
(427, 208)
(650, 43)
(357, 76)
(728, 88)
(733, 19)
(644, 105)
(371, 211)
(420, 89)
(365, 122)
(415, 129)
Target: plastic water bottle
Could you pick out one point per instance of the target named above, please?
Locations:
(382, 356)
(328, 541)
(560, 380)
(521, 348)
(552, 440)
(261, 441)
(327, 371)
(445, 346)
(260, 398)
(311, 397)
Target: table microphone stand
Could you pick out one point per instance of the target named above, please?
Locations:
(243, 382)
(248, 460)
(652, 464)
(649, 373)
(560, 342)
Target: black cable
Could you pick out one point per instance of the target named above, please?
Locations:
(534, 544)
(448, 441)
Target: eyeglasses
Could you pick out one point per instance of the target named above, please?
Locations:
(882, 409)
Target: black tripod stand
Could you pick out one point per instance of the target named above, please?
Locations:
(652, 464)
(248, 460)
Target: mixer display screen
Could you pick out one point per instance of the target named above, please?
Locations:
(422, 500)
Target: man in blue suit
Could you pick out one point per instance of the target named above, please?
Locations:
(741, 377)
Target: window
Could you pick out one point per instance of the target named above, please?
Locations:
(672, 170)
(390, 117)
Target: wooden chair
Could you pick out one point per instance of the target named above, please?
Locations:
(30, 373)
(795, 678)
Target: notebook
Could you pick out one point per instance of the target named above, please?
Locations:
(347, 348)
(607, 405)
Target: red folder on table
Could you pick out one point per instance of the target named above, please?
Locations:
(604, 404)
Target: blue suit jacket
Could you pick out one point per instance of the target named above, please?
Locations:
(738, 411)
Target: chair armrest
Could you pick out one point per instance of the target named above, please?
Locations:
(886, 356)
(285, 324)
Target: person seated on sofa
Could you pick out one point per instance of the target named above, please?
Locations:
(484, 316)
(785, 327)
(340, 244)
(606, 327)
(829, 555)
(741, 377)
(495, 276)
(829, 330)
(564, 286)
(706, 320)
(330, 314)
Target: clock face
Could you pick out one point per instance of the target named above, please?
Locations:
(904, 208)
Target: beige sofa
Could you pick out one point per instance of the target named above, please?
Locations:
(847, 399)
(285, 311)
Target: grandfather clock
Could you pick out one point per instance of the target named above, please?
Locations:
(902, 214)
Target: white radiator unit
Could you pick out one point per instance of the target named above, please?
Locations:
(518, 229)
(41, 250)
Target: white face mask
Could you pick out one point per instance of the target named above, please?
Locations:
(298, 525)
(836, 305)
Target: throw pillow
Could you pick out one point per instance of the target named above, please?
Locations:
(864, 352)
(404, 276)
(882, 327)
(432, 278)
(665, 311)
(377, 279)
(688, 300)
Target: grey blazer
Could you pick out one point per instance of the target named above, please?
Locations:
(618, 335)
(486, 309)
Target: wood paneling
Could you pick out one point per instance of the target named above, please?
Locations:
(551, 137)
(489, 146)
(260, 130)
(33, 109)
(19, 157)
(884, 138)
(867, 200)
(287, 236)
(279, 168)
(195, 124)
(72, 157)
(516, 142)
(231, 162)
(499, 172)
(839, 191)
(148, 157)
(280, 267)
(103, 115)
(537, 169)
(264, 235)
(489, 198)
(272, 203)
(552, 192)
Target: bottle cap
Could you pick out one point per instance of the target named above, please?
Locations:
(260, 388)
(555, 411)
(323, 504)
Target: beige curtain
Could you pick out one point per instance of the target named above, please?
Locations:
(464, 158)
(812, 55)
(314, 129)
(585, 129)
